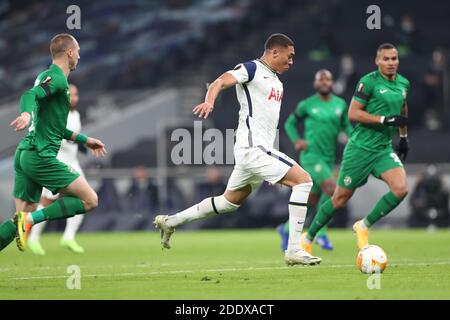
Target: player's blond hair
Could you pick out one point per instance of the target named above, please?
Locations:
(60, 43)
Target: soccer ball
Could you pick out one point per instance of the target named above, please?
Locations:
(371, 259)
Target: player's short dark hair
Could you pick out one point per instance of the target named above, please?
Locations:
(60, 43)
(384, 46)
(278, 40)
(324, 71)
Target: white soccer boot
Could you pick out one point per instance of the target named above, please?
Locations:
(301, 257)
(166, 231)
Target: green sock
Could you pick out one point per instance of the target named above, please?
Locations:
(385, 205)
(63, 208)
(8, 231)
(323, 231)
(286, 227)
(326, 212)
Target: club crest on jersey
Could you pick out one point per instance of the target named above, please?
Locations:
(276, 95)
(403, 92)
(347, 180)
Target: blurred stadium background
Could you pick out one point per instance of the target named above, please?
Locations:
(145, 64)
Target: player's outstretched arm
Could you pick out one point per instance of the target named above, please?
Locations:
(223, 82)
(97, 147)
(50, 85)
(27, 106)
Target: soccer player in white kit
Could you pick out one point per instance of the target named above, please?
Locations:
(68, 155)
(259, 92)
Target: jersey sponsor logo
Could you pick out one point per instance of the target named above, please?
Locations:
(383, 91)
(338, 112)
(265, 77)
(276, 95)
(237, 67)
(403, 92)
(347, 180)
(317, 168)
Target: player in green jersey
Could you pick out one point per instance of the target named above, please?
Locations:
(379, 106)
(325, 116)
(44, 108)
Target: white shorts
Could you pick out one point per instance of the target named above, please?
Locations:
(256, 164)
(48, 194)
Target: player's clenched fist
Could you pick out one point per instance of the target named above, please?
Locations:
(21, 122)
(203, 110)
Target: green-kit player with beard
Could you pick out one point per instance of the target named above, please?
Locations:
(325, 116)
(379, 106)
(45, 108)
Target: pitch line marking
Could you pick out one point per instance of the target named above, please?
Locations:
(127, 274)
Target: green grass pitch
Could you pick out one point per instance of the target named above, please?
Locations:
(226, 264)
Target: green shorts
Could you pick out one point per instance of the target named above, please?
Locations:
(358, 164)
(319, 170)
(32, 172)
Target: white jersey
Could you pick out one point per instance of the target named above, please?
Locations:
(259, 92)
(69, 149)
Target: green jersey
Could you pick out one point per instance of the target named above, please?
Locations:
(323, 121)
(48, 102)
(381, 97)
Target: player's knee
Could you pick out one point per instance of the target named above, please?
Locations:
(222, 205)
(328, 187)
(91, 202)
(339, 200)
(400, 191)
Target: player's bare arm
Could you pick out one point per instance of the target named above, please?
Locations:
(357, 113)
(223, 82)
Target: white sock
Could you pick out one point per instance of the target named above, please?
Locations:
(297, 214)
(72, 226)
(204, 209)
(36, 230)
